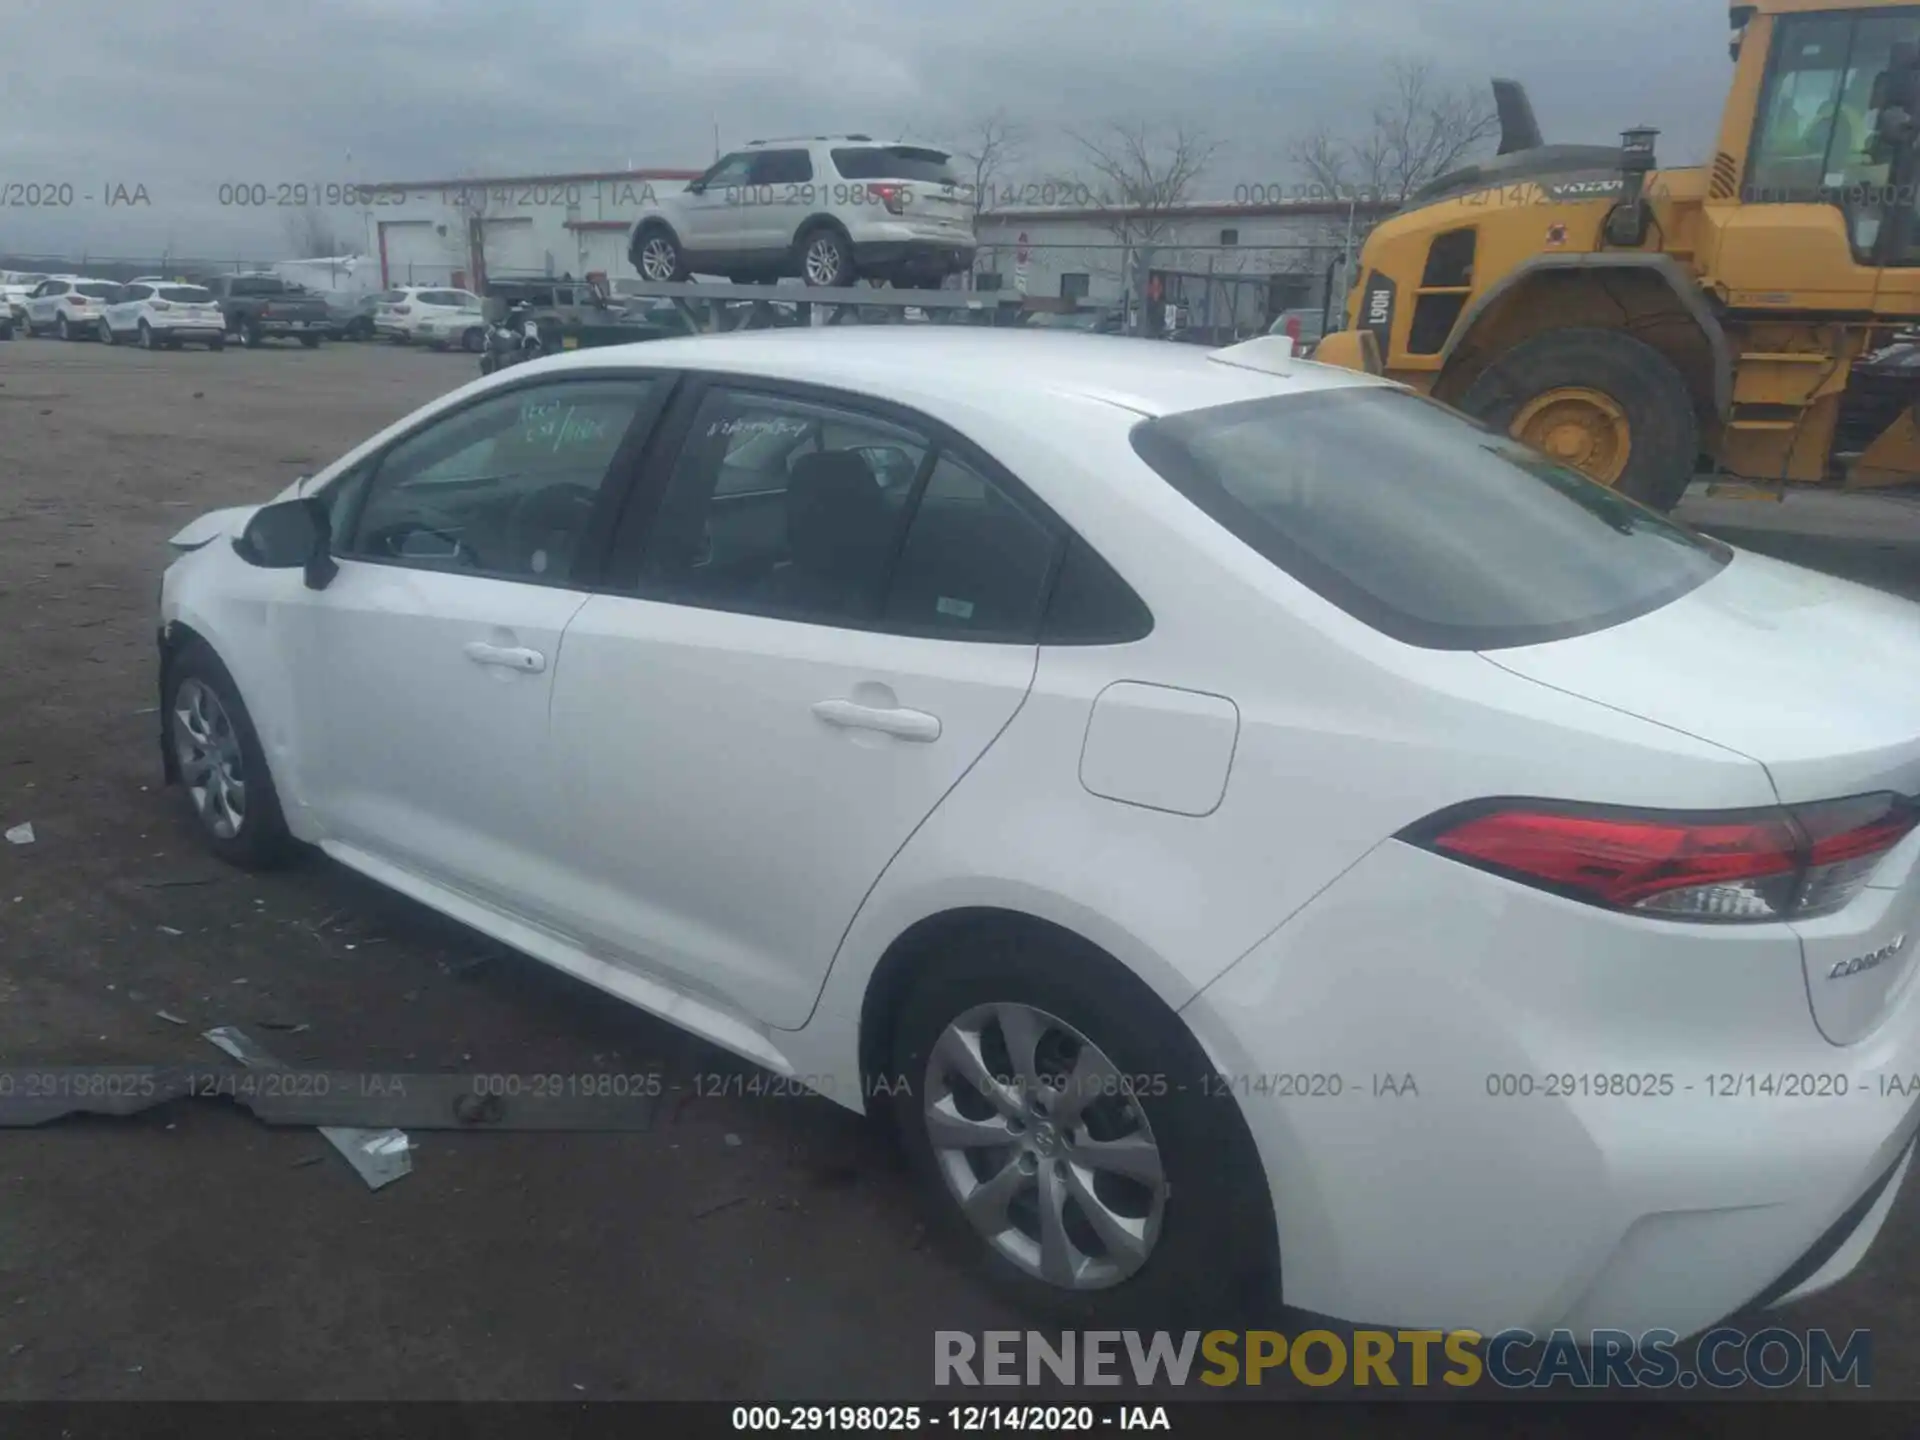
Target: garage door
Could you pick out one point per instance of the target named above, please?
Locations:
(415, 253)
(513, 248)
(605, 251)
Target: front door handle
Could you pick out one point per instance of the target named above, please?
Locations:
(531, 662)
(906, 724)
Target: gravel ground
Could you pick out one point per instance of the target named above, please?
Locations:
(742, 1248)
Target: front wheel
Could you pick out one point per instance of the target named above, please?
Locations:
(1608, 405)
(1070, 1137)
(236, 811)
(107, 336)
(658, 258)
(826, 258)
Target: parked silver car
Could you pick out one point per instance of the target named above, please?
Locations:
(830, 209)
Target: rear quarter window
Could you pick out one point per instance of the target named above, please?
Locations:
(1422, 523)
(895, 162)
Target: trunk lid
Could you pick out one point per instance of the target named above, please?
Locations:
(1817, 679)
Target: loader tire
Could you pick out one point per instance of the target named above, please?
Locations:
(1601, 401)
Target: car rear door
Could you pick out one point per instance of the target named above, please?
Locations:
(755, 714)
(423, 673)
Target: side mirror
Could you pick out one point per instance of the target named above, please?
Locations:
(292, 535)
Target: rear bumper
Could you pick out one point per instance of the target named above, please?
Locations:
(277, 326)
(1592, 1141)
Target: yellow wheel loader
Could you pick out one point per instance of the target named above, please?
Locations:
(1643, 324)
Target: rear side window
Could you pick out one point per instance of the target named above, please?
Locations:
(136, 292)
(1422, 523)
(895, 162)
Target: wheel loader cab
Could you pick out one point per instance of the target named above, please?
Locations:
(1637, 322)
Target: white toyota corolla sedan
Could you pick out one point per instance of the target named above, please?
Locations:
(1254, 831)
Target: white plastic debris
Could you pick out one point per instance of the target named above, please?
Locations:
(380, 1156)
(21, 834)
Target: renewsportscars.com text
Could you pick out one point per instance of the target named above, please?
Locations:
(1725, 1358)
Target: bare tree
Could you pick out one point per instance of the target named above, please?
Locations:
(989, 147)
(1141, 178)
(1419, 130)
(310, 229)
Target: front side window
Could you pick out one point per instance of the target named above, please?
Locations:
(1422, 523)
(1815, 133)
(506, 488)
(733, 170)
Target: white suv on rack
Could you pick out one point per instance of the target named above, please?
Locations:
(830, 209)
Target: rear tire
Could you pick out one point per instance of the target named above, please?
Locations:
(1214, 1253)
(1663, 433)
(221, 734)
(218, 342)
(146, 336)
(251, 336)
(107, 337)
(310, 342)
(825, 257)
(60, 328)
(474, 341)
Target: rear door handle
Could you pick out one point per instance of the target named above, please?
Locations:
(531, 662)
(906, 724)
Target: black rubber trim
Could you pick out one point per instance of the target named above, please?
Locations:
(1828, 1245)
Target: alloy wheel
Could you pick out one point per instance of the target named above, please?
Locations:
(1044, 1147)
(208, 749)
(657, 259)
(823, 262)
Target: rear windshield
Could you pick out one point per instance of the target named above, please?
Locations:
(895, 162)
(186, 294)
(258, 287)
(95, 291)
(1421, 522)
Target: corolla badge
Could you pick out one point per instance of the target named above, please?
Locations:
(1873, 958)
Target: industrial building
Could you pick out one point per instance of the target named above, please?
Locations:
(462, 231)
(1220, 265)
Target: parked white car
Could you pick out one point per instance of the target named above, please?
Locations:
(70, 308)
(830, 209)
(15, 286)
(441, 327)
(164, 316)
(1240, 819)
(404, 310)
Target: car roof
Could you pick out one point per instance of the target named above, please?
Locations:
(932, 368)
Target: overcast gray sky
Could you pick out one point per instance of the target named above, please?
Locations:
(178, 96)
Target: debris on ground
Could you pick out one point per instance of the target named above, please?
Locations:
(380, 1156)
(170, 1017)
(717, 1206)
(21, 834)
(732, 1139)
(169, 930)
(179, 884)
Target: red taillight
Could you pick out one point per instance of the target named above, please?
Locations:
(889, 196)
(1746, 865)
